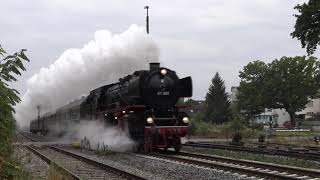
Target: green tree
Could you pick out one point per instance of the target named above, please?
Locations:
(251, 99)
(10, 65)
(307, 27)
(294, 81)
(217, 108)
(287, 83)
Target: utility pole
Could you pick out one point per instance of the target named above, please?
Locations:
(38, 107)
(147, 19)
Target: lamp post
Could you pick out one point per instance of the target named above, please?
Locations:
(38, 108)
(147, 19)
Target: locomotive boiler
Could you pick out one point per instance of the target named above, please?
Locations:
(145, 105)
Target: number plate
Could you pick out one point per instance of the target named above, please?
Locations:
(163, 93)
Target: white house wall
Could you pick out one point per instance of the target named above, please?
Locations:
(283, 116)
(312, 107)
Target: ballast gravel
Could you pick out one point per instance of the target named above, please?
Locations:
(155, 168)
(31, 163)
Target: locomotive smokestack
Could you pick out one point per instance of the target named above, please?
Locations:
(154, 66)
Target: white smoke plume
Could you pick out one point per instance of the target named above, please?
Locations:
(98, 136)
(77, 71)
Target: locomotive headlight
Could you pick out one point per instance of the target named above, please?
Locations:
(185, 119)
(150, 120)
(163, 72)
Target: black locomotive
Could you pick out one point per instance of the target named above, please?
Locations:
(145, 105)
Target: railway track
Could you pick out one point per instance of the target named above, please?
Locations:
(20, 138)
(264, 170)
(75, 165)
(301, 154)
(80, 167)
(51, 162)
(85, 168)
(292, 146)
(30, 137)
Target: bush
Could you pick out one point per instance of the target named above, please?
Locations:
(6, 132)
(257, 126)
(9, 66)
(236, 139)
(249, 133)
(10, 169)
(198, 127)
(202, 128)
(7, 169)
(232, 127)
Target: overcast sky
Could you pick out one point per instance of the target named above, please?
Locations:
(196, 38)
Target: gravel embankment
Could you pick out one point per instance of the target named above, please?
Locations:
(78, 167)
(18, 138)
(152, 168)
(36, 167)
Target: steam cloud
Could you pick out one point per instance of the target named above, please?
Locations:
(77, 71)
(98, 136)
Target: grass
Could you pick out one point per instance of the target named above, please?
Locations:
(200, 128)
(261, 157)
(11, 169)
(103, 150)
(76, 145)
(217, 133)
(56, 173)
(297, 134)
(203, 129)
(301, 141)
(100, 148)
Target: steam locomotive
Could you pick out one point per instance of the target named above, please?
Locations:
(145, 105)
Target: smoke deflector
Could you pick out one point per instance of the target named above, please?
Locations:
(185, 87)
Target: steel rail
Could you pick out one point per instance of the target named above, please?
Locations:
(104, 166)
(294, 154)
(31, 139)
(242, 166)
(49, 161)
(290, 169)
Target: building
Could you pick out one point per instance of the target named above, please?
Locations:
(312, 108)
(234, 93)
(277, 116)
(312, 115)
(196, 106)
(307, 118)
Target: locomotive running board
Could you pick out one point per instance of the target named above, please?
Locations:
(148, 127)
